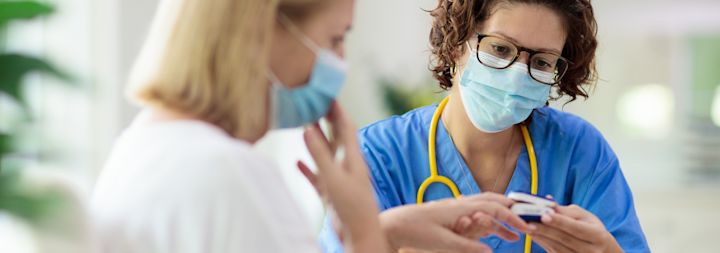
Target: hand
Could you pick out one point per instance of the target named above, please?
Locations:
(573, 229)
(451, 225)
(484, 222)
(345, 184)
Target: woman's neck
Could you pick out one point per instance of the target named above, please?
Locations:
(489, 156)
(155, 114)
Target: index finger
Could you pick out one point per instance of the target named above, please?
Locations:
(501, 213)
(345, 134)
(341, 125)
(490, 196)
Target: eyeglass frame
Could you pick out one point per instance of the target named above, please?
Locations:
(531, 53)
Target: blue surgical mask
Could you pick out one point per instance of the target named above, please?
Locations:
(497, 99)
(308, 103)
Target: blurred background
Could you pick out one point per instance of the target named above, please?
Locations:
(657, 103)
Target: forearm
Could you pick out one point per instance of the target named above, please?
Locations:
(368, 238)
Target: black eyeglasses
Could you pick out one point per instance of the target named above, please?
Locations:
(498, 53)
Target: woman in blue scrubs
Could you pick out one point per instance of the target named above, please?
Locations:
(494, 133)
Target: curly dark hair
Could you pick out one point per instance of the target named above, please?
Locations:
(454, 22)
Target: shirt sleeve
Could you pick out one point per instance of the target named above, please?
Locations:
(609, 197)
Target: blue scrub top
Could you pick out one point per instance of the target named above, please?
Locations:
(575, 165)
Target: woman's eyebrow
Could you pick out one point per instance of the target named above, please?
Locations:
(517, 43)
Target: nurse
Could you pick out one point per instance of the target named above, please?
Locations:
(501, 60)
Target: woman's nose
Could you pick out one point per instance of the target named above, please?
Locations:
(523, 58)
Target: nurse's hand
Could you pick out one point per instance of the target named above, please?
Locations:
(453, 225)
(573, 229)
(345, 183)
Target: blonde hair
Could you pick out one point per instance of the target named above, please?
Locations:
(209, 59)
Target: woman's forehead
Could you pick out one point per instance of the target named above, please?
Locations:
(531, 26)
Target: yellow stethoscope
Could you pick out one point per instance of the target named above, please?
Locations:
(435, 177)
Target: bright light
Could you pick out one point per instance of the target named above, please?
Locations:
(647, 110)
(715, 113)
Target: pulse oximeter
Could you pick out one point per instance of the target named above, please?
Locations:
(530, 207)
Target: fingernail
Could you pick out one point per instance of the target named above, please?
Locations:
(532, 227)
(546, 218)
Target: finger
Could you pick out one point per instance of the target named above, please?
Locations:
(487, 225)
(550, 245)
(319, 150)
(502, 213)
(335, 126)
(310, 176)
(462, 225)
(481, 225)
(574, 211)
(343, 128)
(564, 238)
(330, 138)
(491, 196)
(451, 242)
(347, 139)
(572, 226)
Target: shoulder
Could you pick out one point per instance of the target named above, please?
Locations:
(568, 135)
(566, 126)
(178, 160)
(197, 145)
(395, 127)
(162, 181)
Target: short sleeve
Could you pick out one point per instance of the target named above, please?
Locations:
(609, 197)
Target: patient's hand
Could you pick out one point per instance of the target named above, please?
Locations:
(450, 225)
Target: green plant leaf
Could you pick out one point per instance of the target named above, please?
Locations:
(22, 202)
(399, 99)
(5, 147)
(13, 67)
(18, 10)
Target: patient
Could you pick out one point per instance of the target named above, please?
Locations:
(213, 78)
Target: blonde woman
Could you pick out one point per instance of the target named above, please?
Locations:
(213, 78)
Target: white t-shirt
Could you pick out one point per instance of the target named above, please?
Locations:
(187, 186)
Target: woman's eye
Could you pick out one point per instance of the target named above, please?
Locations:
(501, 50)
(543, 65)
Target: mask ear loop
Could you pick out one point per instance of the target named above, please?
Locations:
(274, 80)
(454, 69)
(469, 47)
(285, 21)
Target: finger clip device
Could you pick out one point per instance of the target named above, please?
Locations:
(530, 207)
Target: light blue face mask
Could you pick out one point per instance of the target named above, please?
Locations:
(497, 99)
(308, 103)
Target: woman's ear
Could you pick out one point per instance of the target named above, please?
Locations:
(460, 63)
